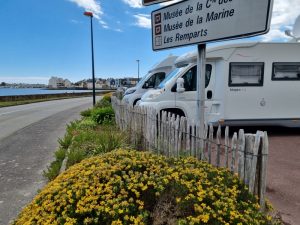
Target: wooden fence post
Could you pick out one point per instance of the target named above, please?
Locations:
(193, 147)
(233, 152)
(226, 147)
(210, 141)
(263, 171)
(241, 153)
(254, 154)
(218, 146)
(249, 145)
(177, 136)
(188, 138)
(205, 142)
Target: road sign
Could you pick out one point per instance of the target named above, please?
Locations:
(151, 2)
(202, 21)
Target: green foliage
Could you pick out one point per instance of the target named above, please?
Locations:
(89, 143)
(102, 103)
(75, 156)
(103, 115)
(86, 113)
(65, 141)
(52, 171)
(86, 124)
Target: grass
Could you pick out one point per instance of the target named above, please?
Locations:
(92, 142)
(53, 170)
(24, 102)
(29, 101)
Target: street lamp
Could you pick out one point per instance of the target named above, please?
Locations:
(90, 14)
(138, 61)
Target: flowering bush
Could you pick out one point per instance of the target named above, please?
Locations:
(129, 187)
(107, 97)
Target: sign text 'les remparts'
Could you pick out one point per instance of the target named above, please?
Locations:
(199, 21)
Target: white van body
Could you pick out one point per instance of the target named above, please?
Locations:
(251, 84)
(150, 81)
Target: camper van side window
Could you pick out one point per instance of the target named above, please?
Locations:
(155, 80)
(286, 71)
(246, 74)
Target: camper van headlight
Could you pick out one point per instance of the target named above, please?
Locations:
(153, 95)
(128, 92)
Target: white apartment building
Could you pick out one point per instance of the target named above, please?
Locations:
(57, 82)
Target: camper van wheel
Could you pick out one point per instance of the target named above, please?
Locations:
(175, 111)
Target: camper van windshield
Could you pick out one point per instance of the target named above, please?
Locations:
(141, 82)
(169, 77)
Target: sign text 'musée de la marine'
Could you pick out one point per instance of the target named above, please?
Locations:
(195, 21)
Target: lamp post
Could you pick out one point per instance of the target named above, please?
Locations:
(90, 14)
(138, 61)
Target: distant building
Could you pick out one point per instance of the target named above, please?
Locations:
(57, 82)
(126, 82)
(99, 84)
(68, 83)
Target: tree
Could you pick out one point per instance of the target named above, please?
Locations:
(3, 84)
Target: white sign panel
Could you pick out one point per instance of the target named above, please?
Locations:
(151, 2)
(201, 21)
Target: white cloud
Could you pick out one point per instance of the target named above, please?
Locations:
(134, 3)
(75, 21)
(90, 5)
(285, 13)
(95, 7)
(143, 21)
(103, 24)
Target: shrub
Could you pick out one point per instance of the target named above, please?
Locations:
(86, 124)
(102, 103)
(103, 115)
(107, 97)
(89, 143)
(86, 113)
(52, 171)
(128, 187)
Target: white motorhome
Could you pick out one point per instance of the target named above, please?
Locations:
(246, 84)
(150, 81)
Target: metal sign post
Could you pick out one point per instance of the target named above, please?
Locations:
(201, 70)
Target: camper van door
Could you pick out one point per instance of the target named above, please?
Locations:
(187, 99)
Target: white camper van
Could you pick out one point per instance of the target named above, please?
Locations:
(246, 84)
(154, 77)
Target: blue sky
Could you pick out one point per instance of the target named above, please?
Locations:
(40, 39)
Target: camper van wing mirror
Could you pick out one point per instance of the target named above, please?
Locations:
(180, 85)
(146, 85)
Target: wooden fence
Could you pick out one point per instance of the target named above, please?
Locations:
(164, 133)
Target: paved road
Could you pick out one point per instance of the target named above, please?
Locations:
(283, 185)
(28, 139)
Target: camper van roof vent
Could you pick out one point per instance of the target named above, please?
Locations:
(185, 59)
